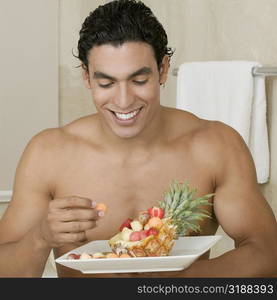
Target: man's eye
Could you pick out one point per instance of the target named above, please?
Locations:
(106, 85)
(140, 82)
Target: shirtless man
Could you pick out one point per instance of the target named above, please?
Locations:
(125, 156)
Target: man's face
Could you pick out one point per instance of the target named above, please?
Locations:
(125, 83)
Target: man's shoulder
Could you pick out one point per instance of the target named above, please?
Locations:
(67, 134)
(47, 138)
(219, 139)
(217, 132)
(203, 129)
(216, 146)
(207, 136)
(220, 147)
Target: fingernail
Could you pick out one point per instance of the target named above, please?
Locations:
(93, 204)
(101, 213)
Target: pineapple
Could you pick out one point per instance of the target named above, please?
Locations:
(177, 215)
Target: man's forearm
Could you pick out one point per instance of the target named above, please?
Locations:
(25, 258)
(245, 261)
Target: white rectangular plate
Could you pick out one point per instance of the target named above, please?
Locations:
(184, 252)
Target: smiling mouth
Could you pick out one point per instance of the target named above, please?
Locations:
(126, 116)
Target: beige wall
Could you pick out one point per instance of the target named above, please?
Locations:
(75, 100)
(199, 30)
(28, 77)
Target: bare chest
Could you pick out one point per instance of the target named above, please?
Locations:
(126, 187)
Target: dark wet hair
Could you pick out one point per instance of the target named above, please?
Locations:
(122, 21)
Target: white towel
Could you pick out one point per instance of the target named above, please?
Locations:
(227, 91)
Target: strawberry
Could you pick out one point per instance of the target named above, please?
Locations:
(152, 231)
(135, 236)
(155, 211)
(126, 223)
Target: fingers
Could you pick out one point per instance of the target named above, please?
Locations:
(73, 227)
(69, 218)
(79, 214)
(73, 208)
(72, 202)
(72, 237)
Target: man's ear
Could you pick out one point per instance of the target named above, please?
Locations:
(164, 69)
(86, 78)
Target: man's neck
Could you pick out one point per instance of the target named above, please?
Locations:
(150, 137)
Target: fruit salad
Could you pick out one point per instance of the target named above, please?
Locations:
(153, 231)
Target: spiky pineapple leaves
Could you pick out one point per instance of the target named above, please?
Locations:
(181, 205)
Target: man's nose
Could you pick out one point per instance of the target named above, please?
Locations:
(124, 98)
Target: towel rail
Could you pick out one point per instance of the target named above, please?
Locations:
(256, 71)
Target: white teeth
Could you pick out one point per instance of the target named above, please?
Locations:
(126, 116)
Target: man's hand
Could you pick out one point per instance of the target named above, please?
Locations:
(67, 220)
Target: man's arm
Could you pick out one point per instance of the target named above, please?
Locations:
(34, 222)
(22, 253)
(243, 213)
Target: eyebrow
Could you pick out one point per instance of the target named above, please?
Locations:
(142, 71)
